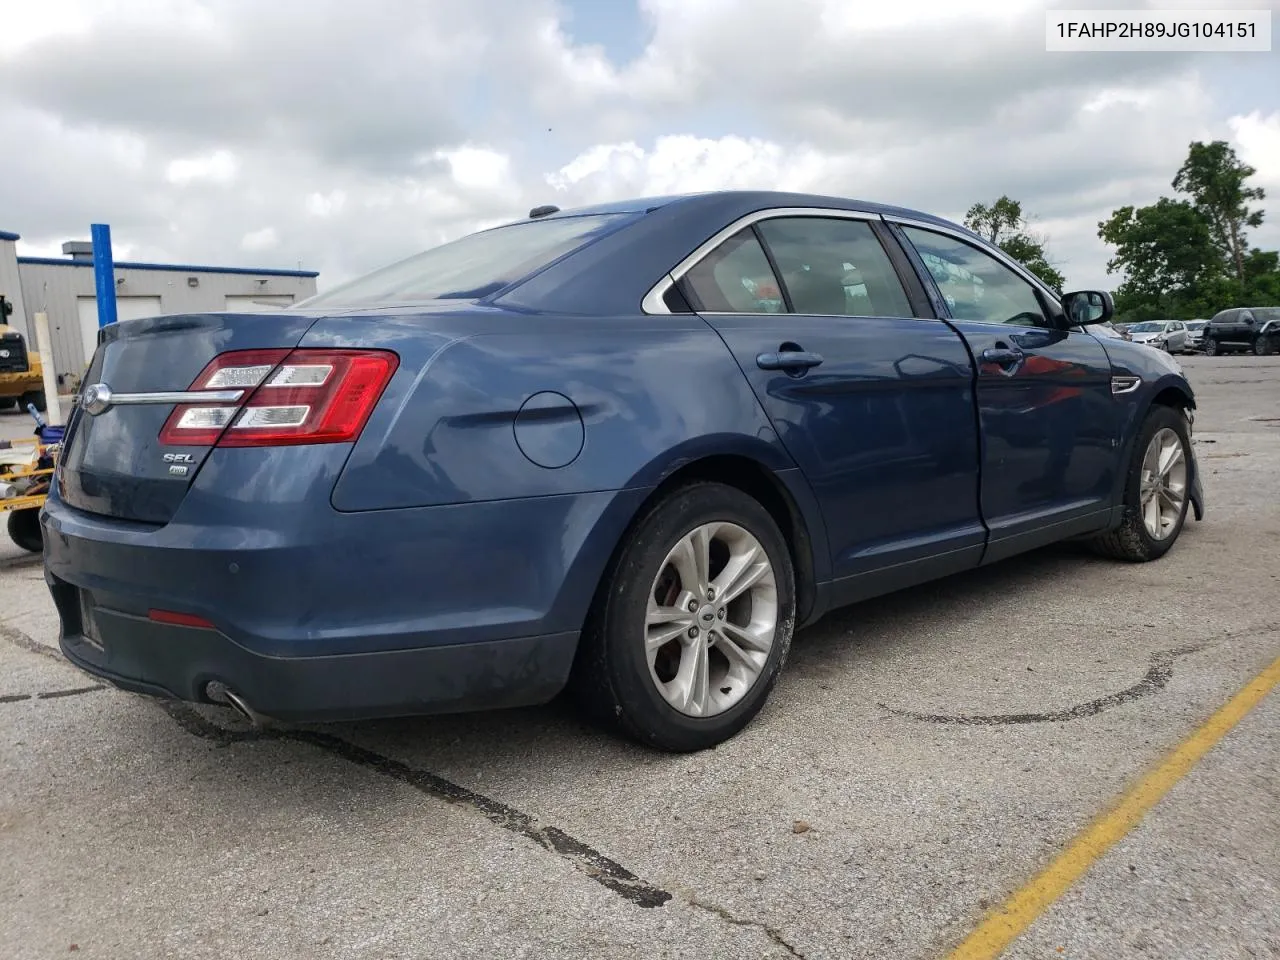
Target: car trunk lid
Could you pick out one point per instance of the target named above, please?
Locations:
(113, 463)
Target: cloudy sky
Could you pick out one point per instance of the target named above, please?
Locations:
(340, 135)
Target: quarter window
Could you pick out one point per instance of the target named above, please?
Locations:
(734, 278)
(832, 266)
(976, 285)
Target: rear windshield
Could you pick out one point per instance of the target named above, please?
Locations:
(472, 267)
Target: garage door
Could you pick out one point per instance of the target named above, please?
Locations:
(127, 308)
(259, 303)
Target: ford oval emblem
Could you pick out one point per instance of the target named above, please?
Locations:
(96, 399)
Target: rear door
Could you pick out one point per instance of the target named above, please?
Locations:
(1050, 425)
(874, 404)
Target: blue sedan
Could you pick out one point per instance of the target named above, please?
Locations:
(625, 450)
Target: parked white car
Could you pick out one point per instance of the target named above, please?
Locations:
(1167, 335)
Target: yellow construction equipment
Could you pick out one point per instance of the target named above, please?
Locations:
(21, 373)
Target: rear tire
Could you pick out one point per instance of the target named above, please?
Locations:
(645, 644)
(1134, 540)
(35, 396)
(8, 403)
(24, 529)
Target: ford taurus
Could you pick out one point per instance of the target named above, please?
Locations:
(625, 450)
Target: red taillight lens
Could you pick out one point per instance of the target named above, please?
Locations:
(291, 396)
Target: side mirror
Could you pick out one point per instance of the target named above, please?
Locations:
(1085, 307)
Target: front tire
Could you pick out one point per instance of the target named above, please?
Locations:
(692, 622)
(1261, 347)
(1210, 347)
(1157, 490)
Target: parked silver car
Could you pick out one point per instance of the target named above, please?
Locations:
(1195, 333)
(1167, 335)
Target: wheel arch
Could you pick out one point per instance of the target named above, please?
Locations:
(1172, 392)
(783, 493)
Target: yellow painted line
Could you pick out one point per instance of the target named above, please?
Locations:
(1011, 919)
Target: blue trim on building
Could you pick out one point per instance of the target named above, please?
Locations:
(172, 267)
(6, 235)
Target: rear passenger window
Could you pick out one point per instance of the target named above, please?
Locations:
(734, 278)
(832, 266)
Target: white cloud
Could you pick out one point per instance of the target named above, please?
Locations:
(686, 164)
(478, 169)
(191, 124)
(1258, 144)
(22, 25)
(217, 167)
(265, 239)
(1257, 140)
(326, 204)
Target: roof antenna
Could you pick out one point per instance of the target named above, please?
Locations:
(545, 210)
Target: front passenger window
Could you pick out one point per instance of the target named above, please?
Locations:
(975, 284)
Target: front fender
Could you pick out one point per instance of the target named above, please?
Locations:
(1161, 382)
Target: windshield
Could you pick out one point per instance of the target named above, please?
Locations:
(1150, 326)
(1263, 314)
(472, 267)
(1197, 324)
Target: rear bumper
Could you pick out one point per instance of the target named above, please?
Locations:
(165, 660)
(328, 616)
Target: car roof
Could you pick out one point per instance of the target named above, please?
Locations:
(750, 200)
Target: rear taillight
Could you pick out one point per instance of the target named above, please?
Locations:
(290, 396)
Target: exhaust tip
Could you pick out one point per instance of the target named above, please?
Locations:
(219, 692)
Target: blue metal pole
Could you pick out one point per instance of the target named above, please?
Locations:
(104, 273)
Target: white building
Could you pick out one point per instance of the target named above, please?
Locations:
(64, 289)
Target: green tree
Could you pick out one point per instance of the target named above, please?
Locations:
(1165, 251)
(1215, 180)
(1190, 257)
(1003, 224)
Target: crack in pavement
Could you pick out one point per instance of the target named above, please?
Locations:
(49, 694)
(600, 868)
(20, 639)
(16, 563)
(771, 932)
(1157, 676)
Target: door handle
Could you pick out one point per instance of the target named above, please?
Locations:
(789, 360)
(1002, 356)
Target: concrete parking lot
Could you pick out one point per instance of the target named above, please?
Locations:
(924, 755)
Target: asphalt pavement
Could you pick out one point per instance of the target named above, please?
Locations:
(923, 756)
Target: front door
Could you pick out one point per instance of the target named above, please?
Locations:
(1050, 425)
(874, 405)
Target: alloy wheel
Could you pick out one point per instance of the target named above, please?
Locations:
(1163, 489)
(711, 619)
